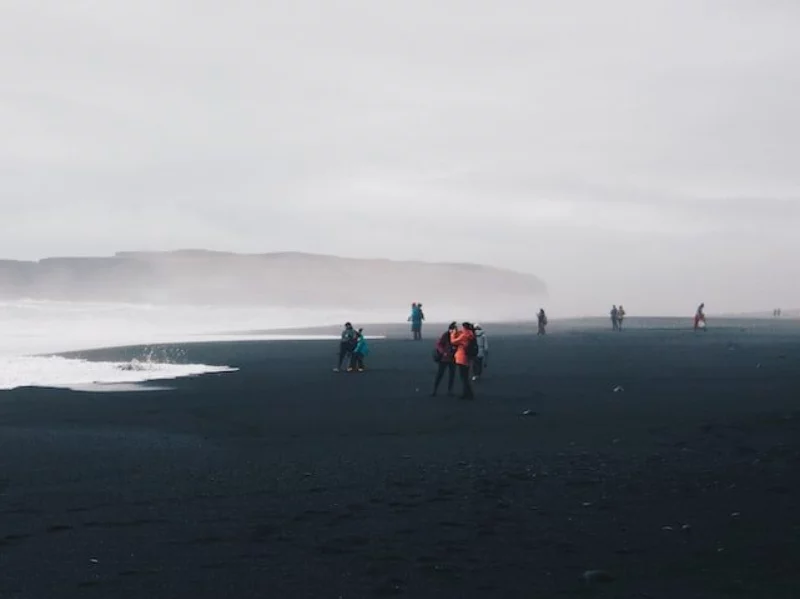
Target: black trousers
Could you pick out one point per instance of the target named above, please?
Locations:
(466, 387)
(344, 350)
(477, 366)
(450, 368)
(357, 361)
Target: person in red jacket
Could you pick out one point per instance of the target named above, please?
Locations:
(463, 340)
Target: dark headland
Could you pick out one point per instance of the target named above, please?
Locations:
(286, 480)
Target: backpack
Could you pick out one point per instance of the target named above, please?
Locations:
(441, 348)
(472, 348)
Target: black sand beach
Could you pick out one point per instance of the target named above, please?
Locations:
(287, 480)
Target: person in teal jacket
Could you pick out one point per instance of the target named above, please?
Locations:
(359, 353)
(416, 318)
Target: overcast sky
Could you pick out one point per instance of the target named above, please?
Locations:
(637, 151)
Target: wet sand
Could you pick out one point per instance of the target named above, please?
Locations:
(287, 480)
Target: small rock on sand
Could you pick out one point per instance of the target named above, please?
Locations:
(594, 576)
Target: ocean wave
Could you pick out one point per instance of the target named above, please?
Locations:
(71, 373)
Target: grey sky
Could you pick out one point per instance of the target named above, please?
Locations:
(636, 151)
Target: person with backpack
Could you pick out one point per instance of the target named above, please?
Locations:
(443, 355)
(347, 344)
(360, 351)
(466, 351)
(482, 359)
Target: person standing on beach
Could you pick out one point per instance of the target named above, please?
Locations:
(360, 351)
(541, 317)
(700, 317)
(465, 344)
(444, 356)
(614, 318)
(347, 344)
(620, 317)
(482, 360)
(416, 318)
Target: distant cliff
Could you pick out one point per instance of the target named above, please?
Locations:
(280, 279)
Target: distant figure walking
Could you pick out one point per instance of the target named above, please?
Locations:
(444, 356)
(614, 318)
(700, 318)
(347, 344)
(541, 317)
(465, 344)
(482, 360)
(620, 317)
(360, 351)
(416, 318)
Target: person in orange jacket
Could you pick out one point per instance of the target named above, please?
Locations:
(466, 349)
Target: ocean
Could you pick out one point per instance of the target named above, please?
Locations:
(34, 333)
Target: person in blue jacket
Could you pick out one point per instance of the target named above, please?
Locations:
(359, 353)
(416, 318)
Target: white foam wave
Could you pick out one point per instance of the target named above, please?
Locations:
(68, 373)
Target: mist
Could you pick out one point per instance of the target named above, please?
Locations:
(642, 153)
(331, 289)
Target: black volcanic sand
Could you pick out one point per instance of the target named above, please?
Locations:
(287, 480)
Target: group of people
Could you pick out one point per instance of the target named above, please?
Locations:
(353, 348)
(617, 317)
(464, 349)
